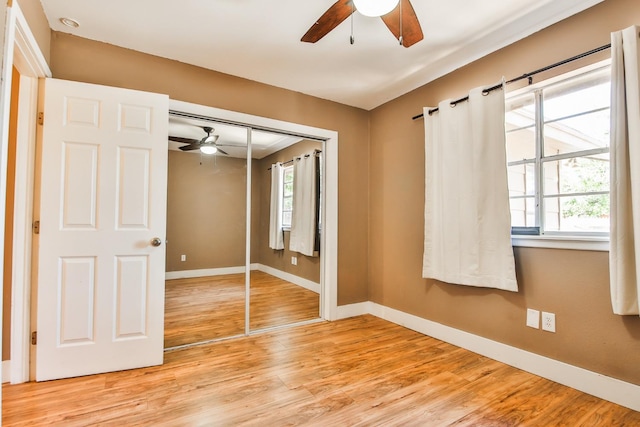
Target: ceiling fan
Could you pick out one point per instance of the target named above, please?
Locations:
(206, 145)
(398, 16)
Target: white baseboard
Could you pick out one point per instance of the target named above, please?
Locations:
(188, 274)
(611, 389)
(6, 371)
(305, 283)
(353, 310)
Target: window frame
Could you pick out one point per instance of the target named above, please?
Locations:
(537, 236)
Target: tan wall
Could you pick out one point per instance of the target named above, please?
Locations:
(74, 58)
(38, 24)
(307, 267)
(572, 284)
(206, 211)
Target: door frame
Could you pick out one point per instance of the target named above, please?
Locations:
(329, 237)
(22, 51)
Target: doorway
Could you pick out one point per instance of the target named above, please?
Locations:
(223, 280)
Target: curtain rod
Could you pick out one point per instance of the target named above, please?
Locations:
(525, 76)
(315, 153)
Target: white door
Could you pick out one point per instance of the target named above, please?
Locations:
(100, 279)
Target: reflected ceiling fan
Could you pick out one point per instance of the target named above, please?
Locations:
(206, 145)
(398, 16)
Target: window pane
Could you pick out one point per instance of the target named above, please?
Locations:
(522, 180)
(288, 189)
(520, 126)
(577, 175)
(287, 203)
(288, 174)
(523, 212)
(286, 219)
(590, 91)
(576, 113)
(578, 133)
(577, 213)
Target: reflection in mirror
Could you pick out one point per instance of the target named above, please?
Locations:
(206, 232)
(285, 202)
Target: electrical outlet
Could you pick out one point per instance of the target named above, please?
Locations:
(183, 257)
(294, 260)
(533, 318)
(548, 322)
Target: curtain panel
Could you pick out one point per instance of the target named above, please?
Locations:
(467, 217)
(304, 216)
(624, 253)
(276, 235)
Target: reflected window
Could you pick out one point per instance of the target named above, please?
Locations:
(287, 195)
(558, 155)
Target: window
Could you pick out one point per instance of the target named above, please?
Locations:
(558, 155)
(287, 195)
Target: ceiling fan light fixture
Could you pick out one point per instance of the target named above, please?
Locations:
(375, 8)
(208, 149)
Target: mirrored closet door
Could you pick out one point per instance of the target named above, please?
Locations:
(285, 202)
(206, 232)
(212, 224)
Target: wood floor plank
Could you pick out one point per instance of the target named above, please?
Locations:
(360, 371)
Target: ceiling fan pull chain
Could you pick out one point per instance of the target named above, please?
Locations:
(400, 38)
(352, 40)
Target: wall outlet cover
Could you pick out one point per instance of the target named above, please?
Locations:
(548, 321)
(533, 318)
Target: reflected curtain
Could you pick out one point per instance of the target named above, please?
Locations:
(467, 218)
(276, 235)
(304, 215)
(624, 253)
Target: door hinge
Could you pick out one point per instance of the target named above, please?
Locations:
(41, 118)
(34, 337)
(36, 227)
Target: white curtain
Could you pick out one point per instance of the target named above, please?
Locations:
(467, 218)
(303, 219)
(624, 253)
(276, 236)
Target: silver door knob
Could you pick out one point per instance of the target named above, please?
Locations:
(156, 241)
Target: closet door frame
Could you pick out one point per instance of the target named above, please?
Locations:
(329, 237)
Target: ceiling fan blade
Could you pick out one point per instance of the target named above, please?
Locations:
(232, 145)
(411, 30)
(222, 151)
(190, 147)
(183, 140)
(333, 17)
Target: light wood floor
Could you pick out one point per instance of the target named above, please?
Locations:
(357, 372)
(206, 308)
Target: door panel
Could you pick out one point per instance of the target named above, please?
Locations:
(100, 293)
(131, 296)
(80, 185)
(77, 292)
(133, 188)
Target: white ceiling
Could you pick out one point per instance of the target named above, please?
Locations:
(260, 39)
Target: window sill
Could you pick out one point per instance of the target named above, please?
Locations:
(286, 228)
(562, 242)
